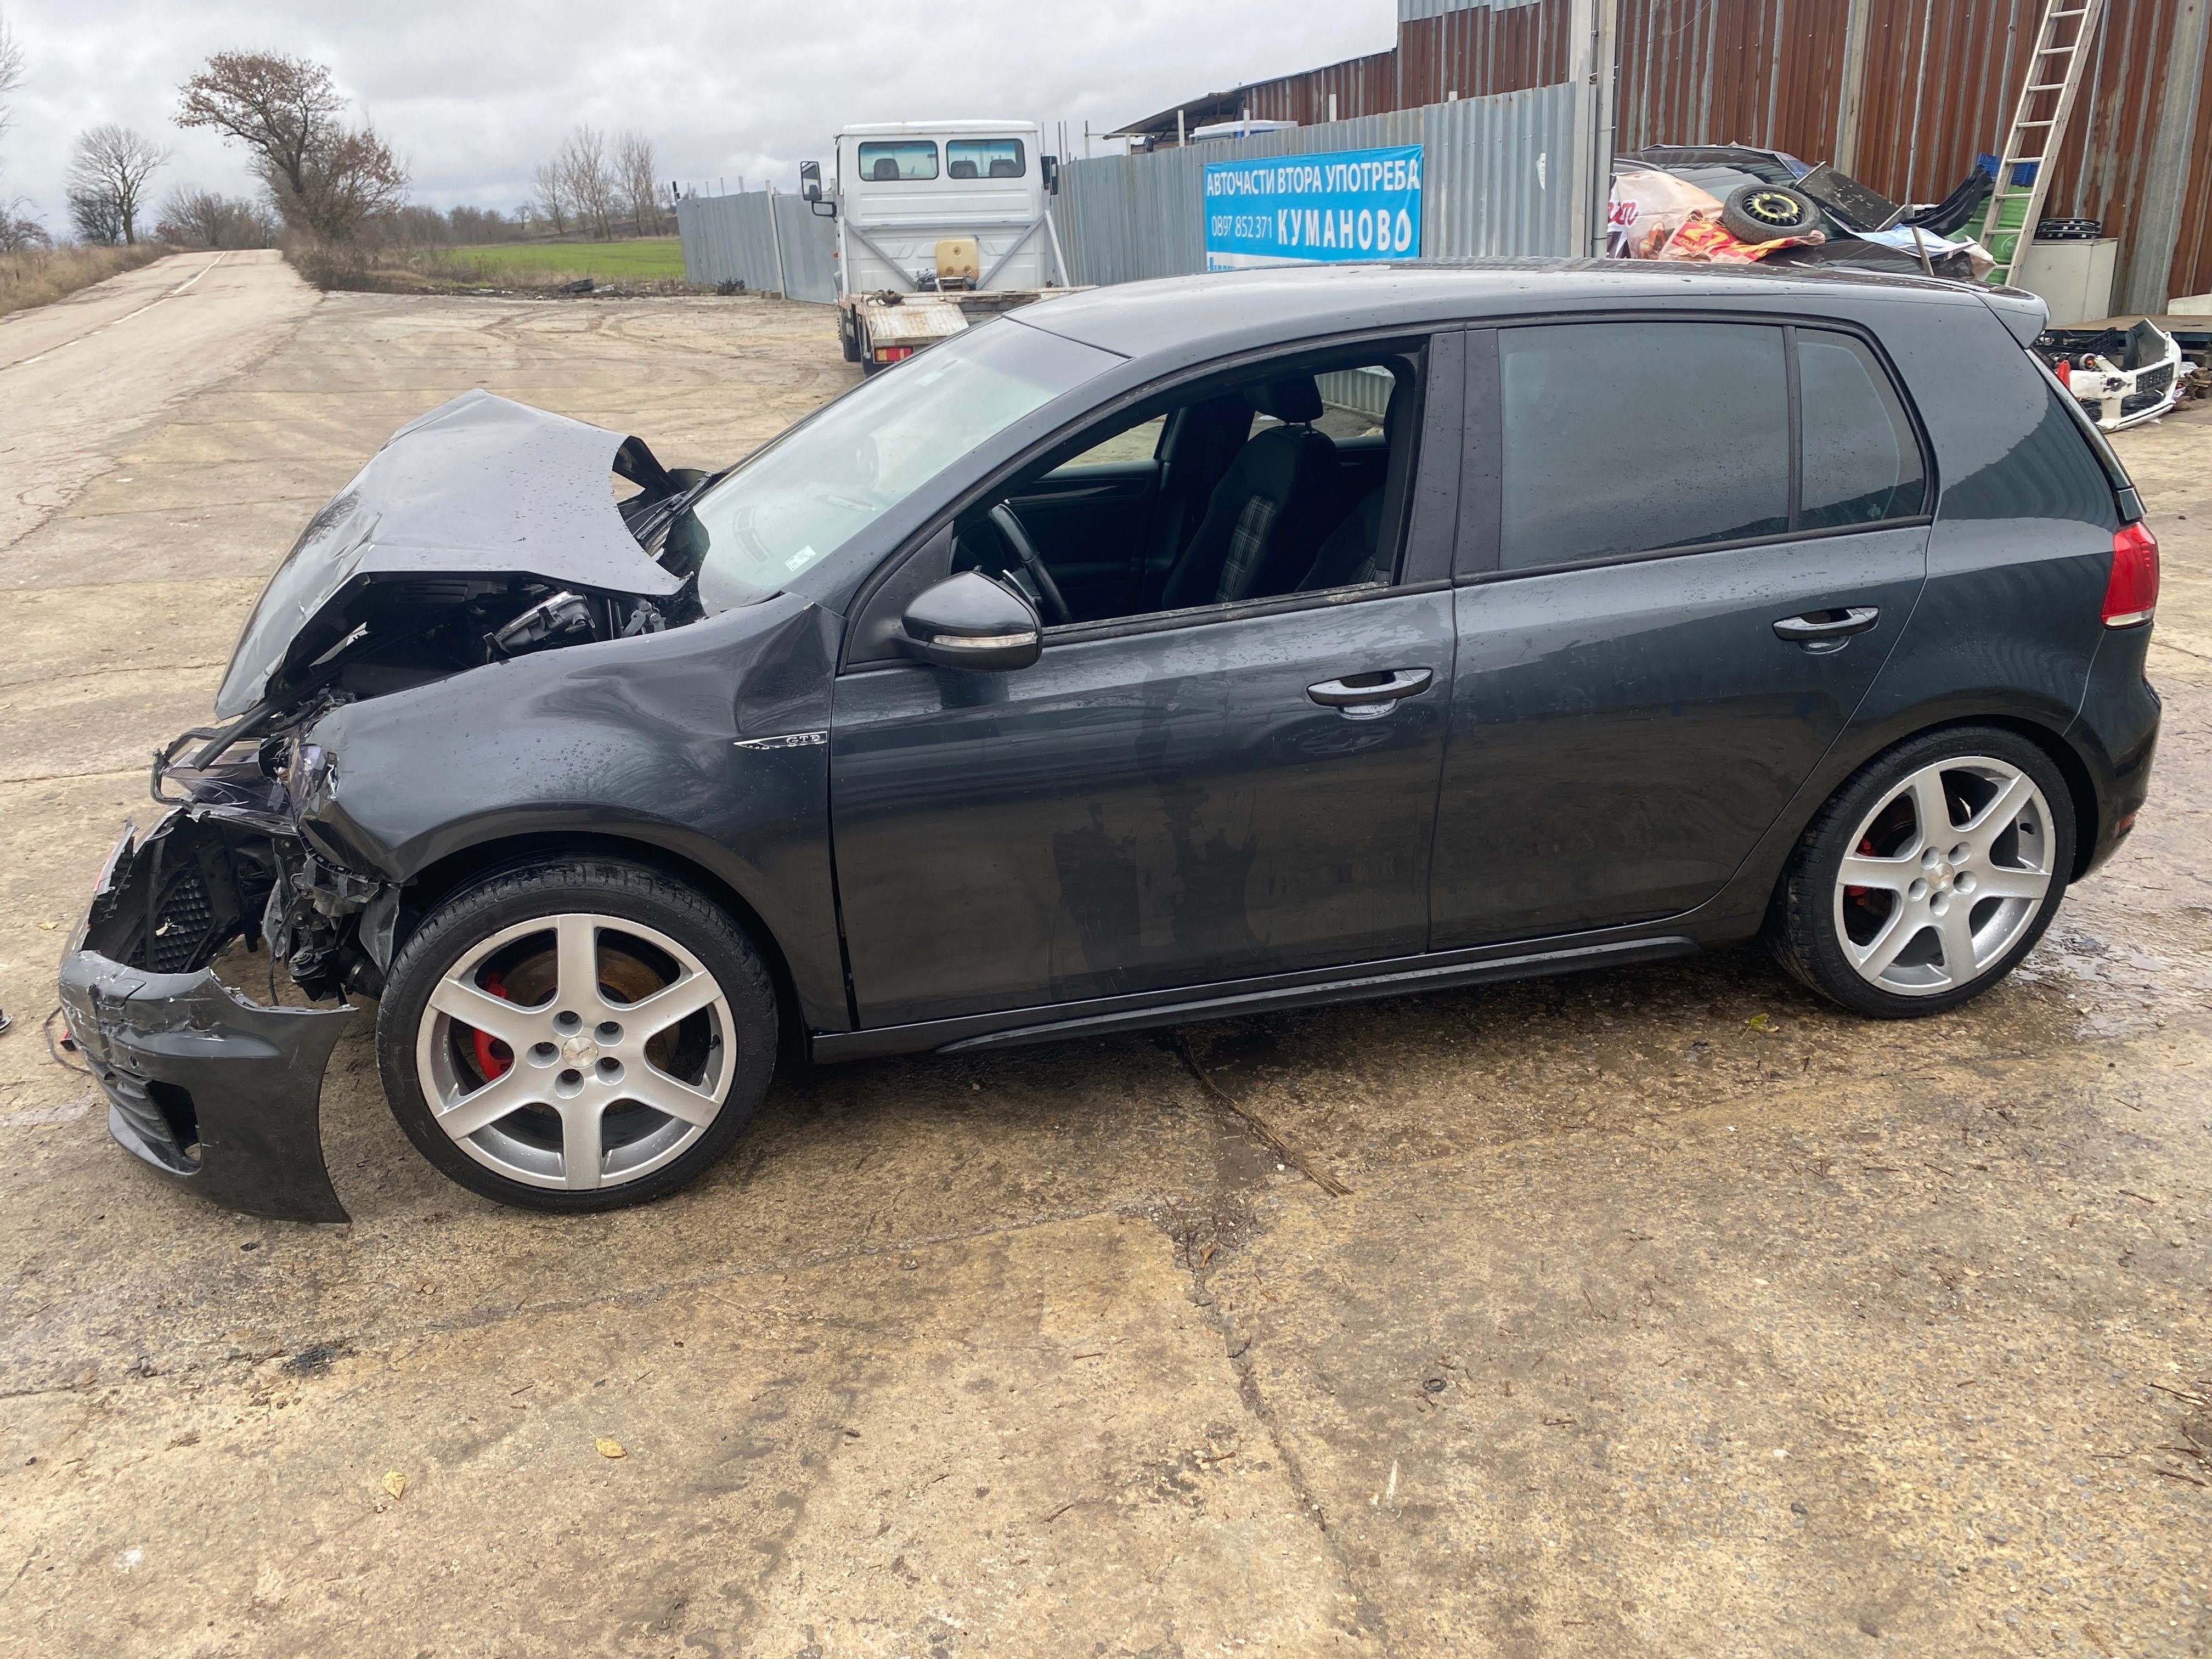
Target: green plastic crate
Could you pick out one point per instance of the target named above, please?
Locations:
(2011, 220)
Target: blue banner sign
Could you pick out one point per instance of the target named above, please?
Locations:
(1348, 204)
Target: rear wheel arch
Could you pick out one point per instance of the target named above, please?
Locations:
(1812, 910)
(2081, 788)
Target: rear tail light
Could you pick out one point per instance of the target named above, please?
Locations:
(2132, 591)
(892, 354)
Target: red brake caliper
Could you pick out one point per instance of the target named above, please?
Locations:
(1866, 850)
(493, 1056)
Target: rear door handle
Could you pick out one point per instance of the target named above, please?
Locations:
(1364, 696)
(1828, 630)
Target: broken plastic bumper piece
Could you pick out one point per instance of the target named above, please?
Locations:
(218, 1093)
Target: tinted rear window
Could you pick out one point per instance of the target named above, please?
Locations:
(1862, 462)
(984, 158)
(1625, 438)
(908, 158)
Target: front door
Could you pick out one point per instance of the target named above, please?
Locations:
(1148, 809)
(1697, 545)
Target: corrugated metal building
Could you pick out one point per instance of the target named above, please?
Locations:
(1903, 93)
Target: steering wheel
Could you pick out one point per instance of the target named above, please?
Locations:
(1048, 598)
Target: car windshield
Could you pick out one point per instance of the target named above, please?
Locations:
(797, 501)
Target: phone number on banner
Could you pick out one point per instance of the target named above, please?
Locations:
(1297, 210)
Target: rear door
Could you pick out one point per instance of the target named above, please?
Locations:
(1689, 548)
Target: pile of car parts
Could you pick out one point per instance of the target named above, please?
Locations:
(2122, 376)
(1736, 204)
(1739, 204)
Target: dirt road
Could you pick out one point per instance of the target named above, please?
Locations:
(1670, 1312)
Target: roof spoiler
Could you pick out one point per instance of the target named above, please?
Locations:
(2025, 315)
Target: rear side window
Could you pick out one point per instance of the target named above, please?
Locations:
(984, 158)
(1862, 463)
(1623, 438)
(904, 159)
(1619, 439)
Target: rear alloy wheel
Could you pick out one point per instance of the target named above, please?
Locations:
(1929, 875)
(577, 1037)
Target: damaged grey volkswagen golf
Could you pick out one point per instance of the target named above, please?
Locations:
(1156, 654)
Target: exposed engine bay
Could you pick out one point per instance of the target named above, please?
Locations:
(562, 564)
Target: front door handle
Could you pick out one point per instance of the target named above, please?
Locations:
(1365, 696)
(1828, 631)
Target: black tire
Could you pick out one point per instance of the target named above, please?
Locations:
(1759, 213)
(1802, 927)
(623, 893)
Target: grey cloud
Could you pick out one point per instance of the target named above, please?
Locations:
(473, 96)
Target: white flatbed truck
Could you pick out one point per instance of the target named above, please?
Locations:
(939, 223)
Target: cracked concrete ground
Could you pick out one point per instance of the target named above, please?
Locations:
(1668, 1311)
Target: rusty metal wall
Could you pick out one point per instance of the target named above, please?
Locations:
(2191, 268)
(1767, 72)
(1479, 49)
(1940, 77)
(1470, 50)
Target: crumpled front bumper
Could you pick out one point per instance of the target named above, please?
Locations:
(219, 1093)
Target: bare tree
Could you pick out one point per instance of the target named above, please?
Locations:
(637, 167)
(552, 195)
(11, 76)
(281, 108)
(353, 179)
(473, 225)
(321, 175)
(19, 228)
(588, 181)
(192, 217)
(105, 183)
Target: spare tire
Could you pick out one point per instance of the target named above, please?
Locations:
(1761, 213)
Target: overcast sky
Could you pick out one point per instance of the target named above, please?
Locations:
(473, 94)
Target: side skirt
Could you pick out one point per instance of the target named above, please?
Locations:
(1097, 1017)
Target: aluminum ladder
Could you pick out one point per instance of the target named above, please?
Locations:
(2054, 74)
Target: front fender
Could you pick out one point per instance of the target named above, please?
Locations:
(710, 742)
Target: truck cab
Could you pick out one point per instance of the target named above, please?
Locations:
(937, 221)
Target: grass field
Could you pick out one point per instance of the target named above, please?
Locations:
(643, 258)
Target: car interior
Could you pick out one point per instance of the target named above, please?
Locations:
(1289, 479)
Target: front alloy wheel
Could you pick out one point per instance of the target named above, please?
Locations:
(1928, 875)
(581, 1054)
(576, 1036)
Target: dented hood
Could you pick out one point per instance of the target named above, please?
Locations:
(478, 486)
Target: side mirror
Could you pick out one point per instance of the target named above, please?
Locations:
(809, 180)
(968, 621)
(1049, 170)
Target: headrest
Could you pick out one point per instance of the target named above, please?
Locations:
(1293, 399)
